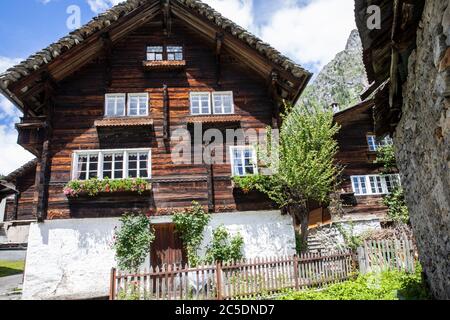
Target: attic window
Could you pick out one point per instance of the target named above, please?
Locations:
(174, 53)
(155, 53)
(164, 53)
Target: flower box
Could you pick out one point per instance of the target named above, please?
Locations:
(95, 188)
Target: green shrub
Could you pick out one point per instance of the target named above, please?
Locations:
(397, 209)
(190, 225)
(386, 157)
(388, 285)
(132, 241)
(224, 249)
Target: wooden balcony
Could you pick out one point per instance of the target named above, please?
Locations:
(31, 133)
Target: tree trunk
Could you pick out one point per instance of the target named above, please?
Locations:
(300, 212)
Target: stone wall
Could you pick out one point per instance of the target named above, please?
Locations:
(330, 237)
(422, 139)
(72, 259)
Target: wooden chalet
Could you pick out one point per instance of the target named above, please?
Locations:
(120, 84)
(105, 100)
(362, 183)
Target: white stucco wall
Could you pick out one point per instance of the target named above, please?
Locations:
(17, 232)
(69, 259)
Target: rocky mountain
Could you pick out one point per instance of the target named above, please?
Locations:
(342, 80)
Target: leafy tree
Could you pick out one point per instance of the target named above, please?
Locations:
(132, 241)
(305, 170)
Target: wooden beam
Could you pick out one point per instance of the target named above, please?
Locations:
(166, 112)
(210, 184)
(107, 51)
(166, 17)
(219, 44)
(41, 182)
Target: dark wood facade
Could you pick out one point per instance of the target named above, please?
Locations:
(356, 159)
(354, 154)
(64, 108)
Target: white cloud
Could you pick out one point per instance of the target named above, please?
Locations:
(311, 34)
(14, 155)
(98, 6)
(239, 11)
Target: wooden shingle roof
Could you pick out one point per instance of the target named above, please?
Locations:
(130, 8)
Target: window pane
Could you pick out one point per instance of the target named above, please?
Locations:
(154, 53)
(223, 103)
(371, 141)
(175, 53)
(362, 181)
(200, 103)
(356, 185)
(120, 106)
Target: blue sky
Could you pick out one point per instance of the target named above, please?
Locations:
(311, 32)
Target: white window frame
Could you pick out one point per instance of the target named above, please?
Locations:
(200, 93)
(375, 143)
(100, 153)
(242, 149)
(222, 93)
(138, 95)
(369, 186)
(115, 95)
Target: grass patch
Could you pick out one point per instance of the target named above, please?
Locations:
(9, 268)
(388, 285)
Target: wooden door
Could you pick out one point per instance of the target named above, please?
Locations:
(167, 247)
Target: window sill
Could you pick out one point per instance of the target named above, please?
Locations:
(214, 118)
(83, 196)
(164, 65)
(124, 122)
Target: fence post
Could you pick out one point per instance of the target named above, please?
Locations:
(296, 272)
(219, 280)
(112, 286)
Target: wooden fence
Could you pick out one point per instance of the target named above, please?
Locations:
(242, 279)
(375, 256)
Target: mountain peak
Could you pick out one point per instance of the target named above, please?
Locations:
(342, 80)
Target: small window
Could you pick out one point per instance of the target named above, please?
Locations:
(200, 103)
(155, 53)
(138, 104)
(392, 182)
(386, 141)
(372, 142)
(376, 185)
(87, 166)
(174, 53)
(243, 161)
(223, 102)
(115, 105)
(359, 185)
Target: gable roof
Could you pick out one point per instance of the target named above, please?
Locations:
(42, 60)
(27, 167)
(362, 106)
